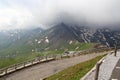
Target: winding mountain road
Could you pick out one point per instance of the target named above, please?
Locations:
(44, 70)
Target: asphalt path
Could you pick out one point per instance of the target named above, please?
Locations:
(116, 72)
(40, 71)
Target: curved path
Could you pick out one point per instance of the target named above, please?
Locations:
(40, 71)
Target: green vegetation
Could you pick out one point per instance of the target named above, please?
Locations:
(26, 54)
(4, 62)
(10, 61)
(80, 46)
(75, 72)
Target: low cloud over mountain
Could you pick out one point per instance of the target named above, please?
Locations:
(44, 13)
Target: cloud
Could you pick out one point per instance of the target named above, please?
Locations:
(14, 18)
(43, 13)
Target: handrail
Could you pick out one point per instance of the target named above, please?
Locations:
(37, 60)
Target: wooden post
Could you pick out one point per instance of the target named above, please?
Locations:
(67, 55)
(72, 54)
(15, 66)
(115, 52)
(115, 49)
(54, 56)
(61, 56)
(46, 58)
(97, 70)
(39, 59)
(32, 62)
(0, 71)
(24, 64)
(5, 70)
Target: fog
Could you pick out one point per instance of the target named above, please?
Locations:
(45, 13)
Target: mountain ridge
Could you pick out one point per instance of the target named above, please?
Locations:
(59, 37)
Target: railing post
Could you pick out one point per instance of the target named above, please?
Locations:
(115, 51)
(39, 59)
(24, 64)
(56, 57)
(46, 58)
(116, 48)
(72, 55)
(97, 70)
(0, 71)
(5, 70)
(32, 62)
(67, 55)
(79, 54)
(61, 56)
(15, 66)
(53, 56)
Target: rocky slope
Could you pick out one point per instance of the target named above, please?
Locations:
(57, 37)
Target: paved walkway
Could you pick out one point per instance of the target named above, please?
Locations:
(116, 72)
(44, 70)
(108, 71)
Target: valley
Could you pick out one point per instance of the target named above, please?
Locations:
(59, 39)
(21, 45)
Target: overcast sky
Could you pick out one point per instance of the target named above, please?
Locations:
(43, 13)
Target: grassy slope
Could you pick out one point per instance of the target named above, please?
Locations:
(27, 56)
(10, 61)
(82, 46)
(75, 72)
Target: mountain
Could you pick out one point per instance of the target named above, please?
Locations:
(63, 32)
(17, 41)
(59, 37)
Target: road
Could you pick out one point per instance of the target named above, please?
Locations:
(44, 70)
(116, 72)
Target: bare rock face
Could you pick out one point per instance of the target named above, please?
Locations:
(105, 36)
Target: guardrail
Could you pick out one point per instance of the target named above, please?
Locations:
(41, 59)
(22, 65)
(38, 60)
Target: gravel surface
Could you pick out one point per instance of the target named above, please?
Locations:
(44, 70)
(106, 67)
